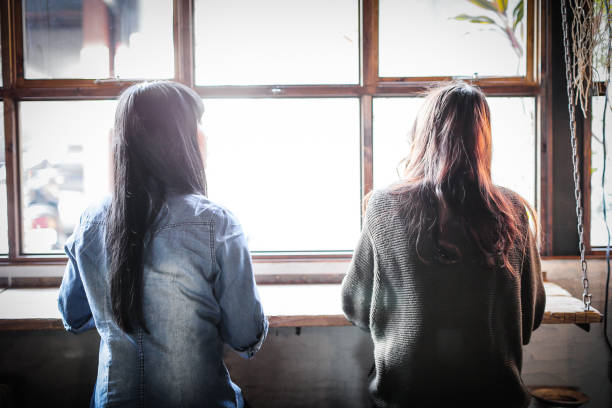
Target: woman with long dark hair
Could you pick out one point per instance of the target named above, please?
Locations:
(160, 271)
(446, 274)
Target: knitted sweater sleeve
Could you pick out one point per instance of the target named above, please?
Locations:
(357, 285)
(533, 297)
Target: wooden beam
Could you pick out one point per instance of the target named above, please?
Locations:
(367, 142)
(369, 42)
(545, 122)
(183, 42)
(13, 186)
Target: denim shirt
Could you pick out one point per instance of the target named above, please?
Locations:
(198, 293)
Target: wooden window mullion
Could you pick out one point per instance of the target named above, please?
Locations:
(12, 70)
(369, 44)
(368, 65)
(530, 56)
(367, 170)
(11, 151)
(183, 41)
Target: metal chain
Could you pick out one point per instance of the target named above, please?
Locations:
(586, 296)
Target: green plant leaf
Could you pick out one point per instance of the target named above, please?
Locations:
(463, 17)
(482, 20)
(475, 19)
(487, 5)
(518, 13)
(502, 6)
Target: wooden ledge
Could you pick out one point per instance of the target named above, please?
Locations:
(286, 306)
(561, 307)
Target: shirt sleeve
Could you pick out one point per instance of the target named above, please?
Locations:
(357, 285)
(243, 323)
(72, 301)
(533, 296)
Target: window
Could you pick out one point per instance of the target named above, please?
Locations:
(276, 42)
(3, 207)
(307, 104)
(439, 38)
(599, 235)
(98, 39)
(1, 79)
(292, 181)
(65, 165)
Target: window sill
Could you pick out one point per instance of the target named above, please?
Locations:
(279, 272)
(311, 271)
(286, 306)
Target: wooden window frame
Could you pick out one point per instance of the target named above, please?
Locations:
(16, 88)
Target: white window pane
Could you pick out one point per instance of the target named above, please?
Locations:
(3, 198)
(423, 38)
(288, 169)
(393, 119)
(599, 235)
(512, 127)
(275, 42)
(65, 162)
(80, 38)
(1, 79)
(600, 48)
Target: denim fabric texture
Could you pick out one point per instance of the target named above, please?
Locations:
(198, 293)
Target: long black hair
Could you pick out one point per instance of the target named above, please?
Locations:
(155, 153)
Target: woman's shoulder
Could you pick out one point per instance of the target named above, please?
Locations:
(381, 208)
(382, 197)
(519, 203)
(522, 209)
(199, 209)
(510, 194)
(90, 223)
(97, 210)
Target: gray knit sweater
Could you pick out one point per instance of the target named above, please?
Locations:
(444, 335)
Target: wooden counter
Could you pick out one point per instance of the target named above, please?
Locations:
(286, 306)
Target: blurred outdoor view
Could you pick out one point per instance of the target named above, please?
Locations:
(276, 42)
(288, 168)
(452, 38)
(98, 39)
(512, 128)
(65, 165)
(3, 208)
(286, 176)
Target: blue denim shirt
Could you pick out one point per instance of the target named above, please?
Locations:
(199, 292)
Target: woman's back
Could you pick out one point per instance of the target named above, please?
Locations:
(196, 276)
(443, 333)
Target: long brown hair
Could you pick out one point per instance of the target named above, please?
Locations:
(447, 183)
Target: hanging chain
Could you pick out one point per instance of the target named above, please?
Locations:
(586, 296)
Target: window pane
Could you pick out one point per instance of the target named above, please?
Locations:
(514, 143)
(275, 42)
(435, 38)
(1, 78)
(599, 235)
(288, 169)
(90, 38)
(3, 207)
(600, 46)
(65, 165)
